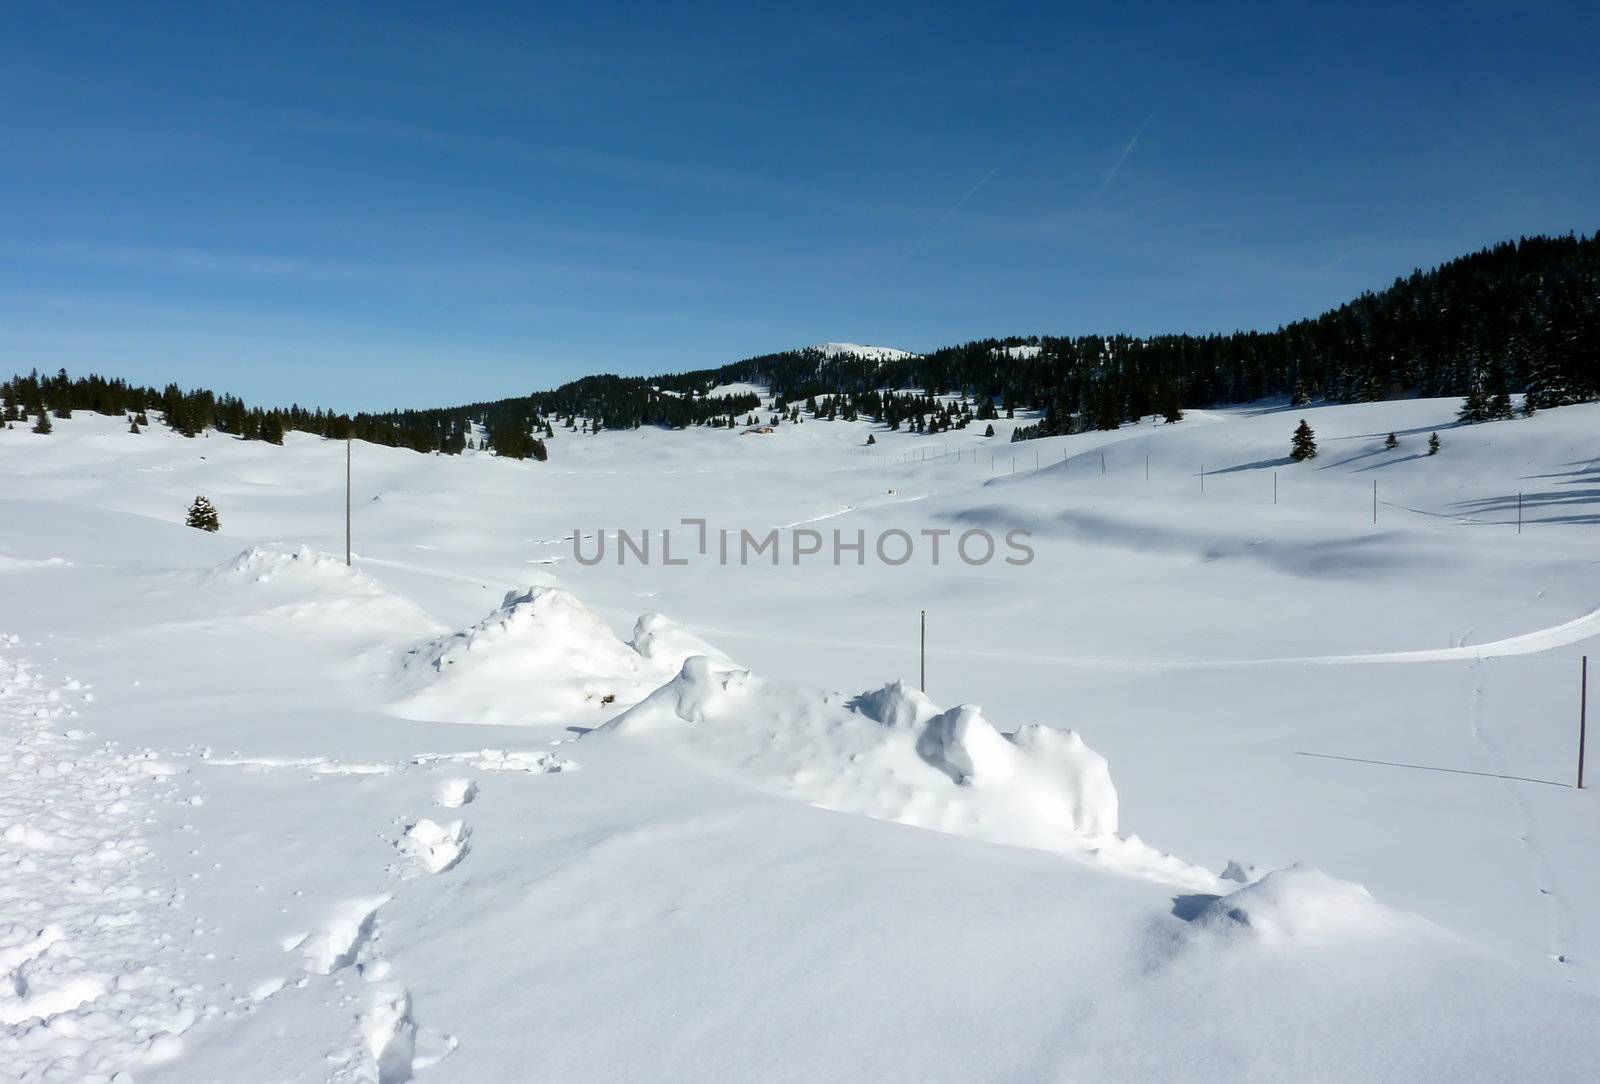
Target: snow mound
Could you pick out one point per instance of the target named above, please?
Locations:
(665, 644)
(545, 658)
(892, 754)
(1292, 904)
(302, 583)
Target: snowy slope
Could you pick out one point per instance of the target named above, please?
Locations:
(1257, 790)
(870, 353)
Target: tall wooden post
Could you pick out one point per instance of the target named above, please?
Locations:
(347, 501)
(1583, 717)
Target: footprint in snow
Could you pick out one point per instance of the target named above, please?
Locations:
(455, 793)
(437, 847)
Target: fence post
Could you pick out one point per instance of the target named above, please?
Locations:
(1374, 502)
(1583, 716)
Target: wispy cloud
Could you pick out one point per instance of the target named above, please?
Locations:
(602, 163)
(515, 274)
(1123, 157)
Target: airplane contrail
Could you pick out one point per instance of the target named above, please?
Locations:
(954, 207)
(1125, 152)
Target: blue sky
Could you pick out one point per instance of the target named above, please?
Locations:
(364, 207)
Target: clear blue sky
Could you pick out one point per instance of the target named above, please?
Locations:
(412, 204)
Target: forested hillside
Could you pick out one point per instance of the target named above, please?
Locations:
(1520, 317)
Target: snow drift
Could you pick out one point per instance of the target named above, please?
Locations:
(542, 658)
(1292, 904)
(894, 755)
(303, 584)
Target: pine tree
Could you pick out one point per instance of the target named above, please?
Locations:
(133, 427)
(1391, 441)
(1173, 411)
(989, 432)
(1433, 444)
(202, 516)
(1299, 396)
(43, 426)
(871, 439)
(1304, 444)
(1475, 407)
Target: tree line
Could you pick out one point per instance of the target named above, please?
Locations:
(1518, 317)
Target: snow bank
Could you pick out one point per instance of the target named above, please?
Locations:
(304, 584)
(894, 755)
(542, 658)
(1289, 904)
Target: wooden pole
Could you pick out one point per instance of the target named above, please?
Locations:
(1274, 487)
(1202, 478)
(1519, 511)
(1374, 501)
(922, 655)
(1583, 716)
(1147, 468)
(347, 501)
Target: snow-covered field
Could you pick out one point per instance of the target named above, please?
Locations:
(1258, 789)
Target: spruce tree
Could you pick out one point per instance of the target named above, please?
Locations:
(1391, 441)
(133, 427)
(1304, 444)
(871, 439)
(1433, 444)
(202, 516)
(1173, 411)
(43, 426)
(1475, 407)
(989, 432)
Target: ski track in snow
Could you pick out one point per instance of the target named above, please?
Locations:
(1583, 627)
(80, 998)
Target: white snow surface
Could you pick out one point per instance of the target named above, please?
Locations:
(1258, 790)
(870, 353)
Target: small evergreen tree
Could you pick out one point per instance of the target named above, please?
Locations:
(989, 432)
(133, 427)
(1173, 411)
(1299, 396)
(202, 516)
(1391, 441)
(43, 426)
(1433, 444)
(1304, 444)
(1475, 407)
(871, 439)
